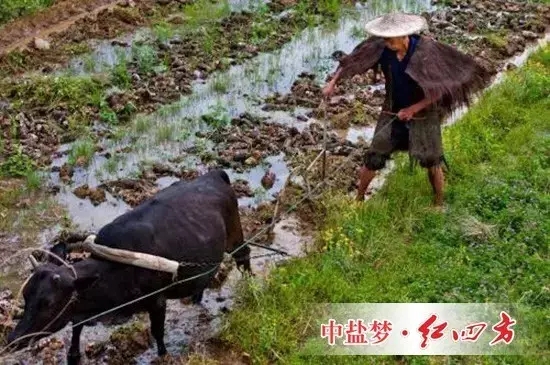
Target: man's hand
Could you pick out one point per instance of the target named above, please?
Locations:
(328, 90)
(407, 113)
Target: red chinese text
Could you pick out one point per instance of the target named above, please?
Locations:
(505, 333)
(381, 331)
(435, 332)
(331, 331)
(471, 333)
(356, 333)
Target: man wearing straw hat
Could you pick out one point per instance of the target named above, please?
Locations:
(424, 81)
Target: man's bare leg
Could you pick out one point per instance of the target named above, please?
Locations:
(435, 174)
(365, 178)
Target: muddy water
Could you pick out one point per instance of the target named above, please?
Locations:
(107, 53)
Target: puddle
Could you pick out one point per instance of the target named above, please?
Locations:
(107, 53)
(184, 325)
(254, 177)
(356, 134)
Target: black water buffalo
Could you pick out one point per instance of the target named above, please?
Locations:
(192, 222)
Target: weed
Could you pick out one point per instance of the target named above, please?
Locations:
(218, 117)
(17, 165)
(75, 92)
(209, 40)
(220, 83)
(33, 180)
(107, 115)
(81, 153)
(142, 124)
(88, 63)
(146, 58)
(112, 164)
(120, 75)
(357, 32)
(165, 132)
(11, 9)
(497, 39)
(163, 31)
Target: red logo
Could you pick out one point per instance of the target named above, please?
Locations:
(331, 331)
(435, 332)
(505, 333)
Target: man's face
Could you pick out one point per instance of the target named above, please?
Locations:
(395, 43)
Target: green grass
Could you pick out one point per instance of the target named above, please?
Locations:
(146, 58)
(73, 92)
(81, 152)
(492, 244)
(11, 9)
(18, 164)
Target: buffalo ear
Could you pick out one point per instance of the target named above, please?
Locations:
(84, 283)
(60, 250)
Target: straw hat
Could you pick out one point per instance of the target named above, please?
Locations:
(396, 25)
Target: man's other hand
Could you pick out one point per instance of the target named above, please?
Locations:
(328, 90)
(407, 113)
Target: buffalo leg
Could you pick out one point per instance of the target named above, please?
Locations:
(197, 297)
(157, 315)
(73, 357)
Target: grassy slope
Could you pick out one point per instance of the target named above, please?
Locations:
(11, 9)
(393, 249)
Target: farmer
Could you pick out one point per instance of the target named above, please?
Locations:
(424, 80)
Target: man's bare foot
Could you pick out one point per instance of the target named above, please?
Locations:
(440, 208)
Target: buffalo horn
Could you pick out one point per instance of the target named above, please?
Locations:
(138, 259)
(34, 263)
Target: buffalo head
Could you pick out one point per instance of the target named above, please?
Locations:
(47, 294)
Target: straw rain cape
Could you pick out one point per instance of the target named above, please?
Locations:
(445, 75)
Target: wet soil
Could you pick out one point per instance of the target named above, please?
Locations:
(52, 19)
(33, 109)
(68, 25)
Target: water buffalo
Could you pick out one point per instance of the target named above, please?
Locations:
(194, 222)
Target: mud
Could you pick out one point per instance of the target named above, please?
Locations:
(68, 25)
(171, 69)
(97, 196)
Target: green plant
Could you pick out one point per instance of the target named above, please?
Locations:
(218, 117)
(11, 9)
(221, 83)
(17, 164)
(81, 152)
(142, 124)
(120, 75)
(112, 164)
(165, 132)
(107, 115)
(88, 63)
(33, 180)
(146, 58)
(163, 31)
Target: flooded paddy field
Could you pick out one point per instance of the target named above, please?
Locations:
(179, 92)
